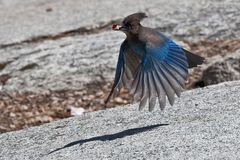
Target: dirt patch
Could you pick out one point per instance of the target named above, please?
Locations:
(209, 49)
(29, 109)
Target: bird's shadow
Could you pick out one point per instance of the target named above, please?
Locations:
(110, 137)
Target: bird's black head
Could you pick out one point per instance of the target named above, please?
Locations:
(130, 24)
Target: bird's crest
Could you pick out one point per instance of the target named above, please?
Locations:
(136, 17)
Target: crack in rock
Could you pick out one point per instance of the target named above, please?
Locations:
(79, 31)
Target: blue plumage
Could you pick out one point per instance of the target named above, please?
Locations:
(151, 65)
(119, 70)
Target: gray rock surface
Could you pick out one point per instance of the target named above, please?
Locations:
(72, 61)
(67, 63)
(21, 20)
(222, 69)
(203, 124)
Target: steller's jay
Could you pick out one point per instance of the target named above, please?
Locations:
(150, 64)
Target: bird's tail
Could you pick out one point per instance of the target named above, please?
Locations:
(193, 59)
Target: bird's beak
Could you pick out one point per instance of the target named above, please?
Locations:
(116, 27)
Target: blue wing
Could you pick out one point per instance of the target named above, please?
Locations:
(159, 73)
(127, 65)
(119, 71)
(162, 73)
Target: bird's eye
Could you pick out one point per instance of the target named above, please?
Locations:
(128, 26)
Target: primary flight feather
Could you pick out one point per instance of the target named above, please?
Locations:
(150, 64)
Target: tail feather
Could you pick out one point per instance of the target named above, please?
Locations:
(193, 59)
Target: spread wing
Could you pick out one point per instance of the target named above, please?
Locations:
(162, 73)
(159, 73)
(127, 64)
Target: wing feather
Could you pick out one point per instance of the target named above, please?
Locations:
(159, 73)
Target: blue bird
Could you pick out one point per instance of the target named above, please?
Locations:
(150, 64)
